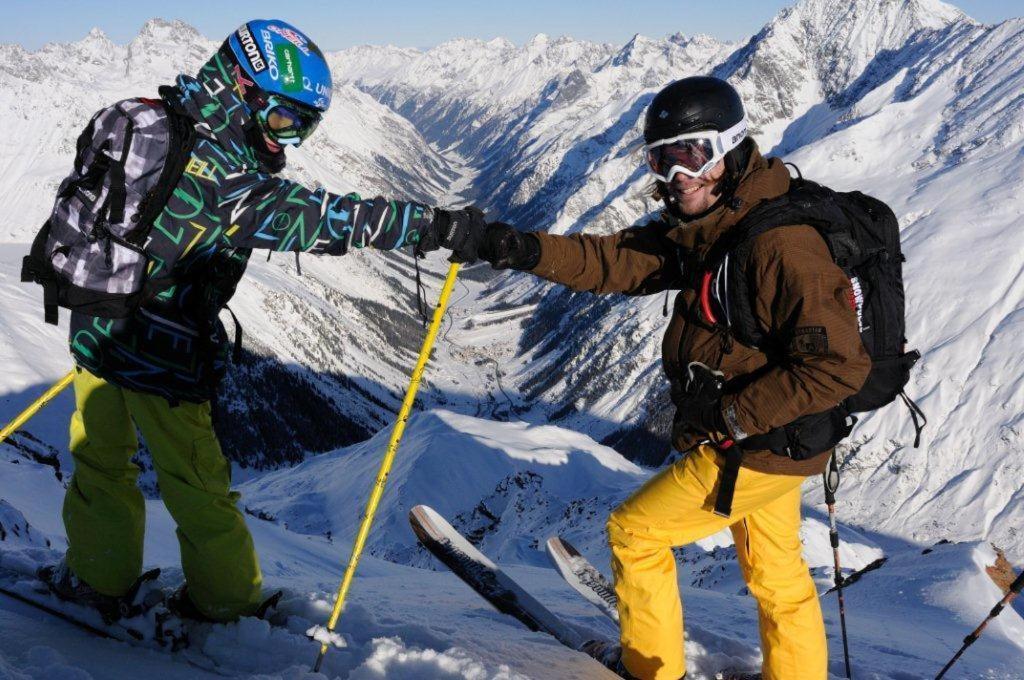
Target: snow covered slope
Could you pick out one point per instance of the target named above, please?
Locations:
(508, 485)
(404, 622)
(909, 100)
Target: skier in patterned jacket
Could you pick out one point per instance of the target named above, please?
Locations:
(265, 88)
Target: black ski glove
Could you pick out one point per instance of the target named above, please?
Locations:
(505, 247)
(698, 399)
(461, 231)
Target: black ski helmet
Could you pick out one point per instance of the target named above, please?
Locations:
(692, 104)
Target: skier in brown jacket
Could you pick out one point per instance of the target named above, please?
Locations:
(710, 174)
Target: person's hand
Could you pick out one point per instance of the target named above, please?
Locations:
(461, 231)
(698, 399)
(505, 247)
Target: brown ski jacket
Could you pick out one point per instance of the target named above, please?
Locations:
(801, 298)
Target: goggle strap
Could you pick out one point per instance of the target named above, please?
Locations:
(723, 142)
(731, 138)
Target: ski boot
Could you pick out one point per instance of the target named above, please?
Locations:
(180, 604)
(174, 624)
(730, 674)
(609, 655)
(62, 582)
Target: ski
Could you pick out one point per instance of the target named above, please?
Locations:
(63, 615)
(170, 637)
(145, 621)
(583, 576)
(119, 624)
(487, 578)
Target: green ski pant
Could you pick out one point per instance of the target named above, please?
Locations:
(104, 510)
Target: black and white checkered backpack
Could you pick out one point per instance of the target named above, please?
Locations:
(90, 254)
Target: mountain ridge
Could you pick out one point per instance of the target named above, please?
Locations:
(925, 103)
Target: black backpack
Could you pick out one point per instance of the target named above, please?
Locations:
(863, 237)
(90, 254)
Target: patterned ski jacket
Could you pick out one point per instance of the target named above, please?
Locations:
(224, 205)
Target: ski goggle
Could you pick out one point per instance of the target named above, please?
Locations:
(286, 122)
(692, 153)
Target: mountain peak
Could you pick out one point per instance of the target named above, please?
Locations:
(882, 15)
(95, 39)
(637, 45)
(817, 48)
(701, 41)
(501, 43)
(175, 31)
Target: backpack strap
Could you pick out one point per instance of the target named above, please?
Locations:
(35, 269)
(916, 415)
(182, 138)
(727, 480)
(115, 170)
(236, 349)
(83, 142)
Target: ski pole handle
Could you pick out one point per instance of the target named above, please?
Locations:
(1011, 594)
(830, 480)
(1017, 585)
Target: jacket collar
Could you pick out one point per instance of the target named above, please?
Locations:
(213, 100)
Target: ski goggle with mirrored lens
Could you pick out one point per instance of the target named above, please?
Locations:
(692, 153)
(286, 122)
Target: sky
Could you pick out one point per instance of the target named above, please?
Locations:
(419, 23)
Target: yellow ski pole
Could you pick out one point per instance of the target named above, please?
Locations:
(39, 403)
(389, 457)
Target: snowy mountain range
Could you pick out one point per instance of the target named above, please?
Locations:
(909, 100)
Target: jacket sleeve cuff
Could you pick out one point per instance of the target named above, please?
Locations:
(547, 257)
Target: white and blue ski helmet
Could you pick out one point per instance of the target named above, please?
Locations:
(283, 61)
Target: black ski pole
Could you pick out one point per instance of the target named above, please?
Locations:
(830, 478)
(1014, 591)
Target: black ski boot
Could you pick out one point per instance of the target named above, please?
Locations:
(609, 655)
(730, 674)
(63, 583)
(181, 605)
(268, 609)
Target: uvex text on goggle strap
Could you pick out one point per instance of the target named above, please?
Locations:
(692, 153)
(287, 122)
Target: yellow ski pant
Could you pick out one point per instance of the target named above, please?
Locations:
(675, 508)
(105, 514)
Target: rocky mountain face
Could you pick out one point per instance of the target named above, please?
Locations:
(913, 102)
(909, 100)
